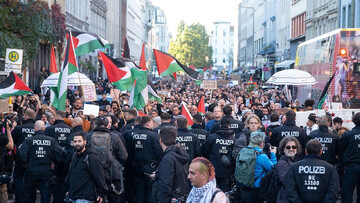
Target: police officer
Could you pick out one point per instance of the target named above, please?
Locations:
(130, 163)
(312, 179)
(198, 130)
(60, 132)
(130, 116)
(147, 152)
(235, 125)
(289, 129)
(349, 151)
(20, 133)
(215, 147)
(165, 121)
(187, 140)
(327, 139)
(38, 152)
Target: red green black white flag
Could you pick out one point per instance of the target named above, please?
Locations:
(13, 86)
(201, 106)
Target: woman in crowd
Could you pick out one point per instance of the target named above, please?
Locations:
(253, 123)
(289, 147)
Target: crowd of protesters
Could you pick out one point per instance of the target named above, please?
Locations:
(154, 156)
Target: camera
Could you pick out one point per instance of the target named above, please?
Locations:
(6, 118)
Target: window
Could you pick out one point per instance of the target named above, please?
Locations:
(215, 50)
(343, 18)
(224, 52)
(349, 16)
(215, 60)
(224, 33)
(224, 60)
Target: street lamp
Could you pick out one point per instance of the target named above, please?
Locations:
(253, 31)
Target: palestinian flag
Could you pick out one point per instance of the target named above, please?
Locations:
(201, 106)
(139, 95)
(68, 67)
(152, 93)
(13, 86)
(142, 114)
(185, 112)
(174, 76)
(86, 42)
(126, 53)
(167, 65)
(324, 93)
(53, 67)
(142, 58)
(53, 70)
(118, 72)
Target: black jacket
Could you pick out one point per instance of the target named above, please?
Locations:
(171, 176)
(38, 152)
(157, 129)
(312, 180)
(129, 125)
(60, 132)
(219, 144)
(235, 125)
(19, 134)
(200, 133)
(22, 132)
(288, 129)
(86, 177)
(349, 146)
(189, 142)
(329, 143)
(145, 147)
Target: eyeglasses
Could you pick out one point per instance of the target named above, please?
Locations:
(289, 147)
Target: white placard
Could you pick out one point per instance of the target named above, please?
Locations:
(91, 109)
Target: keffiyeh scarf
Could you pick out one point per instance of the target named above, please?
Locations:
(203, 194)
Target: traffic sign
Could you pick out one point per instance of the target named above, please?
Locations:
(13, 60)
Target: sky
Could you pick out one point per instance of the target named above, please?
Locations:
(192, 11)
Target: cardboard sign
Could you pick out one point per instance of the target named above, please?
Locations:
(4, 105)
(91, 109)
(89, 92)
(209, 84)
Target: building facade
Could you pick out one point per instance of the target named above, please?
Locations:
(321, 17)
(298, 29)
(349, 14)
(220, 42)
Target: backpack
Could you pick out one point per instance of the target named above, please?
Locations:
(245, 167)
(101, 143)
(269, 186)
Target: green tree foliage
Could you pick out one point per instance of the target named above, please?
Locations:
(191, 45)
(25, 26)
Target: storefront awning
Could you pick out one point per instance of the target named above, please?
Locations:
(285, 64)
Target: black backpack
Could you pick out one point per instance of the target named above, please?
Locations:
(269, 186)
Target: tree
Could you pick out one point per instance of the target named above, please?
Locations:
(25, 26)
(191, 46)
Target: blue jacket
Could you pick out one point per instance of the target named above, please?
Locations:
(263, 165)
(210, 125)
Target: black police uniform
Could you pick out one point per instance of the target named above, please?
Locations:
(38, 152)
(349, 150)
(60, 132)
(189, 142)
(329, 142)
(157, 129)
(200, 133)
(288, 129)
(312, 180)
(145, 147)
(215, 147)
(129, 125)
(130, 166)
(20, 133)
(235, 125)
